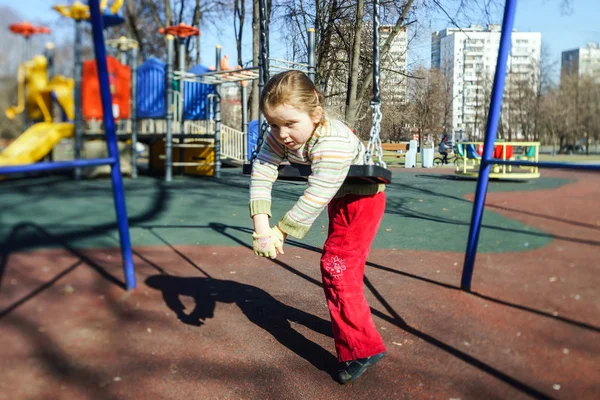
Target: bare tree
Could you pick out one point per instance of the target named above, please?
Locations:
(427, 95)
(354, 63)
(144, 18)
(239, 11)
(552, 117)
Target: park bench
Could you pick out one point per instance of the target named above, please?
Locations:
(397, 150)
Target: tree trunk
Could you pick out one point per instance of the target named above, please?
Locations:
(239, 16)
(351, 101)
(196, 23)
(168, 14)
(130, 15)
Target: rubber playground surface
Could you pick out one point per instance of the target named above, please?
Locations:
(209, 320)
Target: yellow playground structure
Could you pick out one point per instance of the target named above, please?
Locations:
(36, 94)
(470, 159)
(36, 143)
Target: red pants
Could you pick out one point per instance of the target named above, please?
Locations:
(353, 224)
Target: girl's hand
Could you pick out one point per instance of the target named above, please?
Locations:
(269, 244)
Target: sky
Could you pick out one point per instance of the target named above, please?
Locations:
(560, 30)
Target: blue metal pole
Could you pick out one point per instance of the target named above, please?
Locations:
(170, 102)
(488, 146)
(218, 117)
(134, 64)
(113, 150)
(55, 165)
(78, 142)
(547, 164)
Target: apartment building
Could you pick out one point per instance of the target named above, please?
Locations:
(393, 66)
(467, 57)
(583, 61)
(393, 83)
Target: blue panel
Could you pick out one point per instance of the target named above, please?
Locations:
(252, 135)
(151, 77)
(195, 95)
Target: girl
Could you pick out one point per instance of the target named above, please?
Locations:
(303, 134)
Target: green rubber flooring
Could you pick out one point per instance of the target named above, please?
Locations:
(425, 211)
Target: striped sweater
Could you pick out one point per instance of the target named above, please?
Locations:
(329, 151)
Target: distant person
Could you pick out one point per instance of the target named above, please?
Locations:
(302, 133)
(443, 149)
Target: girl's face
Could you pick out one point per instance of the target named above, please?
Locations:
(292, 127)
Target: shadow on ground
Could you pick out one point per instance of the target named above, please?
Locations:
(259, 306)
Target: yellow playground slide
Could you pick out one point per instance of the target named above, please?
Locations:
(35, 143)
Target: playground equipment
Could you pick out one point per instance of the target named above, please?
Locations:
(120, 88)
(112, 159)
(36, 93)
(488, 160)
(181, 31)
(191, 124)
(469, 164)
(198, 147)
(26, 30)
(35, 143)
(370, 172)
(191, 144)
(79, 12)
(129, 46)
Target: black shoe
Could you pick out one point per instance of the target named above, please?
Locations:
(350, 370)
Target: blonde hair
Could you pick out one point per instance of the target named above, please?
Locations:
(295, 89)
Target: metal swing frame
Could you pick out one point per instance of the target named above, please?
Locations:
(367, 173)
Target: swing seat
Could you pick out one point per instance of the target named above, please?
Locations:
(357, 173)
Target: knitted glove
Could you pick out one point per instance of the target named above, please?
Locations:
(268, 244)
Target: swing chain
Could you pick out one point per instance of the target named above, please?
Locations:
(264, 130)
(374, 144)
(263, 73)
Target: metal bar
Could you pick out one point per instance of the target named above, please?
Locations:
(170, 104)
(181, 98)
(245, 121)
(49, 166)
(546, 164)
(281, 60)
(279, 68)
(218, 118)
(77, 145)
(26, 50)
(293, 63)
(193, 164)
(190, 145)
(49, 53)
(113, 150)
(229, 71)
(311, 54)
(488, 146)
(134, 132)
(198, 39)
(226, 77)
